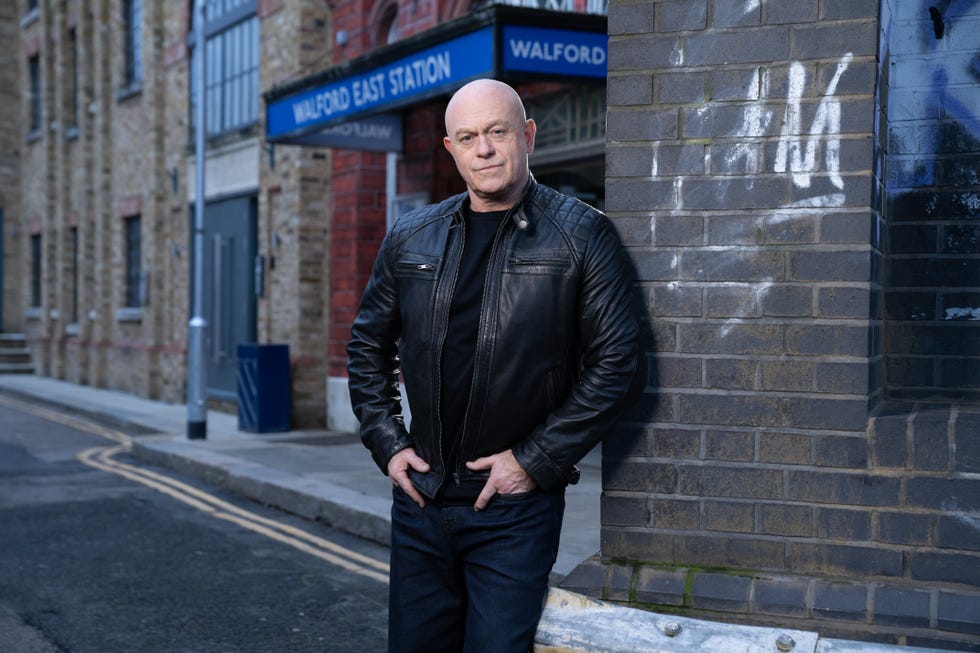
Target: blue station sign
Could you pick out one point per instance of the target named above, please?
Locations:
(500, 43)
(556, 51)
(401, 82)
(376, 133)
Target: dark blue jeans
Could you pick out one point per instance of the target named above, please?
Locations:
(468, 581)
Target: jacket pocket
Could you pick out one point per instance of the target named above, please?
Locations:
(417, 266)
(416, 277)
(554, 391)
(556, 262)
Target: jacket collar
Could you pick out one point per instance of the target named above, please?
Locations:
(516, 213)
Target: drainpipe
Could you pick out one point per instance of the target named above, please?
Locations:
(2, 293)
(197, 410)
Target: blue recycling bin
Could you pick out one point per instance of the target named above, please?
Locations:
(263, 388)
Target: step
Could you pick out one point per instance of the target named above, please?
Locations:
(16, 368)
(15, 356)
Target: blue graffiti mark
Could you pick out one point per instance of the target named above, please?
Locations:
(957, 109)
(933, 108)
(937, 22)
(947, 12)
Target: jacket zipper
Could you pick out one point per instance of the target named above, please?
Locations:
(481, 329)
(437, 376)
(518, 260)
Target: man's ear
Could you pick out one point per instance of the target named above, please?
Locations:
(448, 144)
(530, 129)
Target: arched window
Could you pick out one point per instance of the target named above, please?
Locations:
(385, 18)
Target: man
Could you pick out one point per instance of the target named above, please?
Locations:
(508, 309)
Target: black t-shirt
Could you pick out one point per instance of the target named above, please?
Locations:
(464, 323)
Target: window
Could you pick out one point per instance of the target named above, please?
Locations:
(574, 6)
(383, 20)
(34, 72)
(31, 13)
(74, 275)
(35, 270)
(134, 269)
(132, 43)
(390, 25)
(72, 120)
(232, 67)
(567, 121)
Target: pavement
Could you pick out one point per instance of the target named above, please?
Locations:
(326, 476)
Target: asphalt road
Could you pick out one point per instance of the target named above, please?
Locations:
(100, 553)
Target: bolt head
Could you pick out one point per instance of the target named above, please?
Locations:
(672, 629)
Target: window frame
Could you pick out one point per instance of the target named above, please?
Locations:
(132, 60)
(73, 83)
(133, 264)
(232, 72)
(31, 14)
(37, 270)
(75, 260)
(35, 110)
(388, 32)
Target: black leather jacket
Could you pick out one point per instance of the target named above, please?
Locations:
(555, 354)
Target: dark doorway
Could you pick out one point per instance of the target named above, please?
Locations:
(584, 179)
(229, 301)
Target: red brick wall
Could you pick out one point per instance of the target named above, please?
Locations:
(357, 209)
(358, 199)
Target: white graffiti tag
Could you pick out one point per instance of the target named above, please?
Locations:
(797, 150)
(827, 120)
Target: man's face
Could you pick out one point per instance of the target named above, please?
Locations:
(490, 140)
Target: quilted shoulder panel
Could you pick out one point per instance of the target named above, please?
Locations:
(573, 217)
(412, 221)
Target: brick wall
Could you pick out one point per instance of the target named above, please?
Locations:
(84, 164)
(173, 65)
(10, 139)
(128, 153)
(744, 170)
(295, 214)
(40, 193)
(358, 224)
(358, 199)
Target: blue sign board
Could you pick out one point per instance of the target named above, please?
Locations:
(422, 73)
(378, 133)
(555, 51)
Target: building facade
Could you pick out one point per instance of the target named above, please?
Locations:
(10, 144)
(97, 238)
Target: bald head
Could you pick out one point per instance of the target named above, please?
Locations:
(482, 93)
(489, 136)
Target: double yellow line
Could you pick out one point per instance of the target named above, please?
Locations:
(102, 458)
